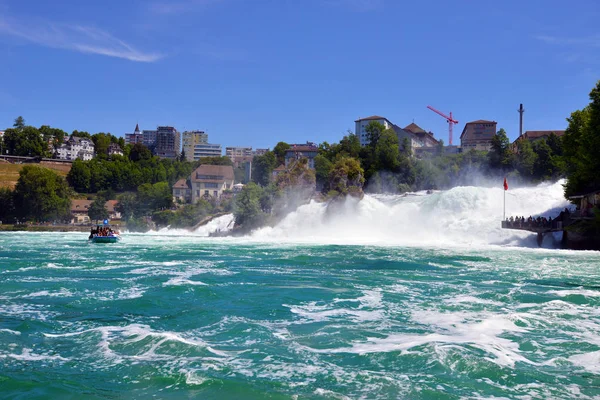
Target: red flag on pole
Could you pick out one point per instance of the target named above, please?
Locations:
(505, 184)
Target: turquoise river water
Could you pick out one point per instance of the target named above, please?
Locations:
(184, 316)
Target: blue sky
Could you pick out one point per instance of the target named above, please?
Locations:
(256, 72)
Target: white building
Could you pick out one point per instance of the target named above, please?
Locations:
(259, 152)
(190, 140)
(207, 181)
(206, 150)
(362, 123)
(418, 139)
(239, 155)
(234, 152)
(74, 148)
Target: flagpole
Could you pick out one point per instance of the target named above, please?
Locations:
(505, 186)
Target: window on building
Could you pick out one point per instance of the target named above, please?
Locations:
(215, 193)
(206, 193)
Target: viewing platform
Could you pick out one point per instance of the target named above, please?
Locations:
(541, 226)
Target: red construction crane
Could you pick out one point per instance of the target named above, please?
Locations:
(451, 121)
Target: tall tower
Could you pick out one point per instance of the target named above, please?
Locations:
(521, 110)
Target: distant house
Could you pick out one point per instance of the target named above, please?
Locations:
(298, 151)
(74, 148)
(182, 191)
(114, 149)
(207, 181)
(478, 135)
(426, 138)
(534, 136)
(111, 207)
(79, 211)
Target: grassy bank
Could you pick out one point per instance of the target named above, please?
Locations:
(9, 173)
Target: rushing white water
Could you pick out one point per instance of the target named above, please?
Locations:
(223, 223)
(461, 216)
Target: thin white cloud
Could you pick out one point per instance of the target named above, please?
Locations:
(83, 39)
(179, 7)
(589, 41)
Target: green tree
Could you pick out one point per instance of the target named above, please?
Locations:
(42, 195)
(127, 206)
(52, 135)
(139, 152)
(500, 156)
(248, 212)
(25, 141)
(349, 146)
(7, 205)
(19, 123)
(387, 152)
(346, 176)
(525, 158)
(81, 134)
(101, 143)
(279, 151)
(543, 166)
(97, 210)
(555, 144)
(262, 168)
(581, 146)
(374, 131)
(322, 169)
(80, 176)
(155, 197)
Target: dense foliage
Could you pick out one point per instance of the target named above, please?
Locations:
(389, 165)
(41, 195)
(124, 174)
(582, 147)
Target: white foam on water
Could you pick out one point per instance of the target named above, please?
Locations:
(222, 224)
(10, 331)
(194, 378)
(135, 333)
(27, 355)
(481, 330)
(180, 281)
(470, 299)
(45, 293)
(330, 394)
(589, 361)
(580, 291)
(33, 311)
(463, 216)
